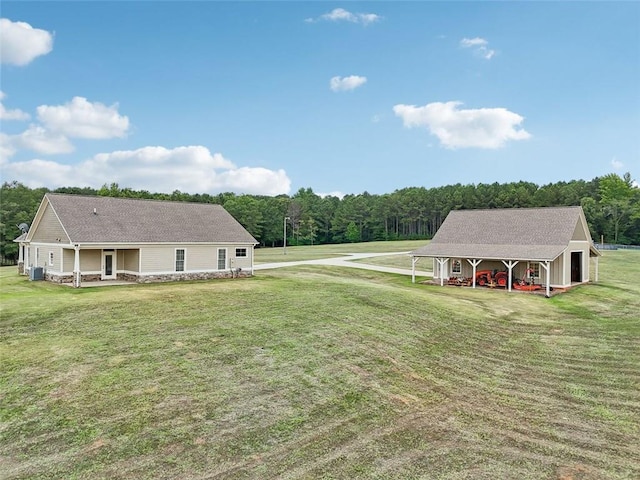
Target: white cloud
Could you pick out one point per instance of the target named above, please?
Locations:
(479, 46)
(616, 164)
(342, 84)
(80, 118)
(342, 15)
(41, 173)
(41, 140)
(254, 180)
(7, 149)
(11, 114)
(192, 169)
(456, 128)
(20, 43)
(473, 42)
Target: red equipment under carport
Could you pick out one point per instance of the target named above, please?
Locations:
(492, 277)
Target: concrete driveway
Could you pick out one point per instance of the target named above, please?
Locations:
(348, 261)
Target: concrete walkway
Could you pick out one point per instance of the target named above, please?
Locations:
(348, 261)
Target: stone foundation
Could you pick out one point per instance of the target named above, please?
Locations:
(21, 268)
(169, 277)
(58, 278)
(181, 277)
(68, 278)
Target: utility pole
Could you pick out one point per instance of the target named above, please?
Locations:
(284, 236)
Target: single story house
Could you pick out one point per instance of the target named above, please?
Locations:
(551, 245)
(77, 239)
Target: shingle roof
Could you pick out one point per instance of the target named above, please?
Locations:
(506, 234)
(125, 220)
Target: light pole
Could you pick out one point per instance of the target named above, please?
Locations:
(284, 236)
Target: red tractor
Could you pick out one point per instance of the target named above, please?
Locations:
(492, 277)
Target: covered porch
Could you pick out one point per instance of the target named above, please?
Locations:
(522, 274)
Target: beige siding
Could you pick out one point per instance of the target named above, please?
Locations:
(49, 229)
(119, 260)
(69, 259)
(131, 259)
(201, 258)
(37, 255)
(558, 270)
(241, 262)
(159, 259)
(57, 258)
(90, 260)
(580, 233)
(197, 258)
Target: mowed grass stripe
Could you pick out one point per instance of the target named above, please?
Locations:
(320, 372)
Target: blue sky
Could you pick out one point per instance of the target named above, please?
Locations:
(343, 97)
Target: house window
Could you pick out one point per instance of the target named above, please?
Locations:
(180, 255)
(222, 259)
(241, 252)
(456, 267)
(51, 259)
(533, 270)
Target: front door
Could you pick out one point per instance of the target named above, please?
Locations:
(108, 265)
(576, 267)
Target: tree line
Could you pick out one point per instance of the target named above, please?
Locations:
(611, 204)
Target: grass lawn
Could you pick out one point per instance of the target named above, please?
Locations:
(319, 372)
(272, 255)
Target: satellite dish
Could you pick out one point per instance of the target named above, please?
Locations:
(24, 228)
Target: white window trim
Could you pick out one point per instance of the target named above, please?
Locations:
(453, 263)
(226, 259)
(246, 252)
(184, 260)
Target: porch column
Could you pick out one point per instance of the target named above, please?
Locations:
(546, 267)
(441, 263)
(510, 264)
(26, 260)
(596, 277)
(77, 275)
(474, 263)
(20, 258)
(414, 260)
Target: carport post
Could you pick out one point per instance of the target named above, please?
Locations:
(442, 262)
(77, 276)
(414, 260)
(545, 265)
(510, 264)
(474, 263)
